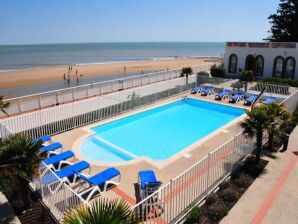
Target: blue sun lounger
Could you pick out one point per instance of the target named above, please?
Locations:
(101, 179)
(43, 139)
(250, 100)
(207, 91)
(51, 147)
(148, 183)
(269, 100)
(58, 159)
(64, 174)
(198, 89)
(222, 95)
(237, 97)
(146, 176)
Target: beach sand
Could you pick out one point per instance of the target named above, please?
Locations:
(54, 74)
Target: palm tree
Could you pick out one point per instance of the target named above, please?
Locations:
(3, 105)
(278, 114)
(19, 156)
(186, 71)
(100, 212)
(285, 129)
(255, 124)
(246, 77)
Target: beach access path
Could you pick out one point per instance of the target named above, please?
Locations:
(53, 74)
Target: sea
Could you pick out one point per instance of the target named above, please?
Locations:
(16, 57)
(24, 57)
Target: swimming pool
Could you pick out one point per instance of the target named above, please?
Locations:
(158, 133)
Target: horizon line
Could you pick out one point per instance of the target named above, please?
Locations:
(113, 42)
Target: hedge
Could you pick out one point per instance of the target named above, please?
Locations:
(280, 81)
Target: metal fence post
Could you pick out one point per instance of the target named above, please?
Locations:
(208, 171)
(73, 95)
(39, 101)
(171, 202)
(20, 105)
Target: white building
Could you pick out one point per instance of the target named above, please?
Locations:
(265, 59)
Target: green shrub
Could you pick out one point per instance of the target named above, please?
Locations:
(280, 81)
(251, 168)
(194, 217)
(211, 199)
(247, 76)
(224, 185)
(228, 195)
(243, 181)
(203, 74)
(217, 211)
(217, 71)
(5, 186)
(186, 71)
(237, 85)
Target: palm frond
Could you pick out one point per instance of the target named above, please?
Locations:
(21, 154)
(102, 211)
(3, 105)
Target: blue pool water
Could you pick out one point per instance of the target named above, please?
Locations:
(158, 133)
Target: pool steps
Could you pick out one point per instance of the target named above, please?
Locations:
(121, 150)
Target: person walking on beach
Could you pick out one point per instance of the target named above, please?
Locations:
(124, 69)
(64, 76)
(68, 76)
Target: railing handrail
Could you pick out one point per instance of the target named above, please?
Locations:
(95, 83)
(65, 185)
(274, 84)
(210, 153)
(187, 170)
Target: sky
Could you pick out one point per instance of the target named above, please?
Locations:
(77, 21)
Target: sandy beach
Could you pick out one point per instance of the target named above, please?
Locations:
(54, 74)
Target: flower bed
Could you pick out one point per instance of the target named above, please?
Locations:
(218, 204)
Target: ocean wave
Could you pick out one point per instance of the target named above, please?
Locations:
(21, 69)
(119, 62)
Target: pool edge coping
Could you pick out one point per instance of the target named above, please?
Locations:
(156, 164)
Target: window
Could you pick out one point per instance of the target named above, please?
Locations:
(233, 63)
(290, 67)
(278, 66)
(250, 63)
(259, 65)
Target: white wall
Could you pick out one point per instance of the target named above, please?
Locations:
(269, 55)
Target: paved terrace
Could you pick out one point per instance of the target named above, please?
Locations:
(165, 172)
(272, 198)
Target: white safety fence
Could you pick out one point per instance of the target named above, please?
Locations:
(173, 200)
(4, 131)
(253, 87)
(68, 95)
(64, 117)
(55, 193)
(291, 103)
(272, 89)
